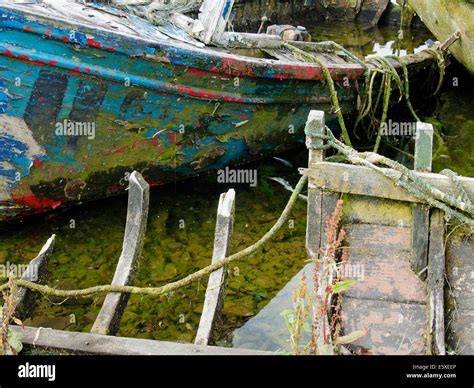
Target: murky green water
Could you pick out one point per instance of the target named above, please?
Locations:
(181, 226)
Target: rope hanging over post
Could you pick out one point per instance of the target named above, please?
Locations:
(454, 207)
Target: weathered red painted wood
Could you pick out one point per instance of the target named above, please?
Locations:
(393, 328)
(388, 299)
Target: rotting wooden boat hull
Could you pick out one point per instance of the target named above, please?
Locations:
(444, 18)
(163, 107)
(167, 109)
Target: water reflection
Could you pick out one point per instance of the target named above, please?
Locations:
(267, 330)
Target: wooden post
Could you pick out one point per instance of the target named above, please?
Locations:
(108, 320)
(421, 213)
(436, 272)
(315, 125)
(423, 147)
(35, 273)
(215, 289)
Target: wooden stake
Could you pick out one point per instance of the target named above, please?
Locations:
(215, 289)
(36, 272)
(108, 320)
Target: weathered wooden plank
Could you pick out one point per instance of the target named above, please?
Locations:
(459, 292)
(436, 272)
(456, 17)
(360, 180)
(367, 237)
(314, 125)
(460, 337)
(214, 15)
(87, 343)
(393, 328)
(216, 286)
(108, 320)
(245, 40)
(36, 273)
(328, 203)
(360, 209)
(379, 261)
(421, 214)
(460, 270)
(420, 237)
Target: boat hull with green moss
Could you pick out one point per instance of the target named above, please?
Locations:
(82, 104)
(446, 17)
(89, 95)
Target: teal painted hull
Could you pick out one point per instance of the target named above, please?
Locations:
(80, 108)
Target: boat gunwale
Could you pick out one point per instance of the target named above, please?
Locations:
(304, 71)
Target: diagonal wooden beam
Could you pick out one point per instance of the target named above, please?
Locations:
(215, 288)
(36, 272)
(110, 315)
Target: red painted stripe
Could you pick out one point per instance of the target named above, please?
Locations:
(37, 202)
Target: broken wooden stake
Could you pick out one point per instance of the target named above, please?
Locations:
(36, 272)
(215, 289)
(108, 320)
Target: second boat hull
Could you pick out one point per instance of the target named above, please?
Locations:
(446, 17)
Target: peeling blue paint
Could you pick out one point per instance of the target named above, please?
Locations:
(4, 97)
